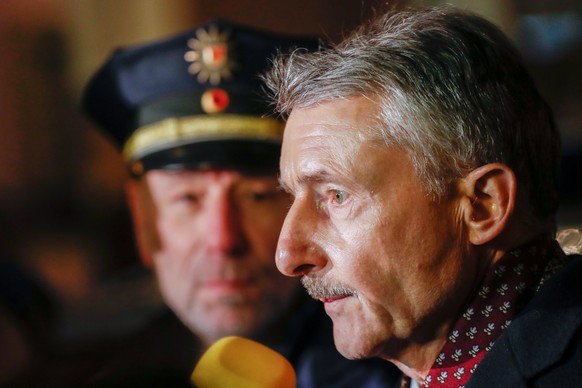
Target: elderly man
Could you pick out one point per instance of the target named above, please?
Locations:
(207, 207)
(423, 165)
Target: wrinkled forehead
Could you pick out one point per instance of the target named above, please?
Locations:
(351, 120)
(329, 135)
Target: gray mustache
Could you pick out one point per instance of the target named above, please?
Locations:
(318, 289)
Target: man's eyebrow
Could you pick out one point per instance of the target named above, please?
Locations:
(313, 177)
(283, 185)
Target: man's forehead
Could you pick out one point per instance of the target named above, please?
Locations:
(206, 174)
(343, 120)
(319, 151)
(328, 160)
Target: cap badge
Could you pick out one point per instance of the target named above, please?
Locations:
(215, 100)
(209, 55)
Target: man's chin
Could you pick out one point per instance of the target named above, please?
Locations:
(226, 321)
(349, 343)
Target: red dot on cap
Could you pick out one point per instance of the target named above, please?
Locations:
(215, 100)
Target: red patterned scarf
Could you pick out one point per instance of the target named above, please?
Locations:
(507, 287)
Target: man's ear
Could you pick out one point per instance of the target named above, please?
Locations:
(143, 219)
(490, 192)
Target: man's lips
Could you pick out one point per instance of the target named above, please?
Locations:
(227, 284)
(334, 299)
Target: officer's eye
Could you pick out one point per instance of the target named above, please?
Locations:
(189, 198)
(263, 195)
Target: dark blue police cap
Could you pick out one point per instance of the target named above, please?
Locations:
(193, 100)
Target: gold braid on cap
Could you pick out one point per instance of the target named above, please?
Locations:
(174, 131)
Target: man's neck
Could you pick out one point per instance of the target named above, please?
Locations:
(417, 360)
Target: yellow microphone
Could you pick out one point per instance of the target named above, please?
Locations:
(239, 362)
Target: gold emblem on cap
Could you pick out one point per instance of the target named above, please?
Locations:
(209, 55)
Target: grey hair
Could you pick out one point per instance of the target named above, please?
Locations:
(452, 90)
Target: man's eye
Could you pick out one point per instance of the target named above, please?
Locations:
(188, 198)
(262, 195)
(338, 196)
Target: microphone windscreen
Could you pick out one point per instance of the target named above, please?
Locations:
(239, 362)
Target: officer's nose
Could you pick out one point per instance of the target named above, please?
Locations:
(225, 233)
(297, 252)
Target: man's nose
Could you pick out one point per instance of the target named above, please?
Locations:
(297, 251)
(225, 232)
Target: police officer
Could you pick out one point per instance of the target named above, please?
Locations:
(202, 150)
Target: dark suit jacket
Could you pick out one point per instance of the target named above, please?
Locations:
(542, 347)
